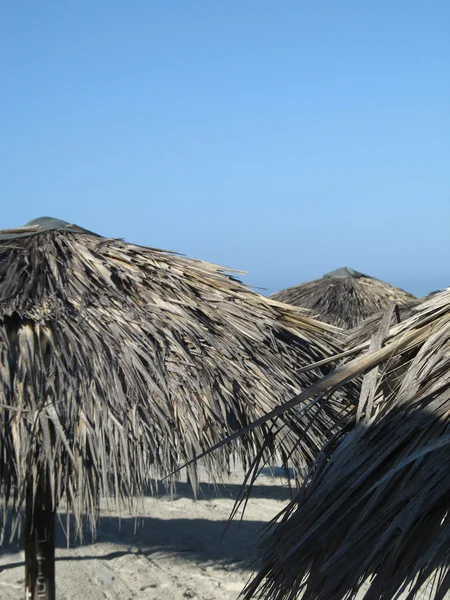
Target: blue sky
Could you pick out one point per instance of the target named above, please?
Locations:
(282, 138)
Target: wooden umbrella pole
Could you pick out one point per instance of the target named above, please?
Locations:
(39, 543)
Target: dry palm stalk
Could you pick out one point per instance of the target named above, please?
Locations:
(369, 327)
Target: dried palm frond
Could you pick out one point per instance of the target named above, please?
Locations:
(367, 328)
(119, 362)
(377, 503)
(343, 297)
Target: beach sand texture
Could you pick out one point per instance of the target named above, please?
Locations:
(172, 552)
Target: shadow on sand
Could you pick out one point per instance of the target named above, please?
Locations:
(209, 491)
(199, 540)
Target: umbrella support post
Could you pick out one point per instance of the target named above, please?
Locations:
(39, 543)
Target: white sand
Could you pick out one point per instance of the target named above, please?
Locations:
(174, 553)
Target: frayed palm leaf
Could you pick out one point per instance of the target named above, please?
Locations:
(343, 297)
(368, 328)
(376, 504)
(120, 362)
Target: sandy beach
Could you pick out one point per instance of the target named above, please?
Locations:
(172, 551)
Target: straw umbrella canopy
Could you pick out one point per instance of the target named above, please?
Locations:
(369, 327)
(343, 297)
(118, 362)
(378, 502)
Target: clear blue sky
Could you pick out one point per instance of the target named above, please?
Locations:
(282, 138)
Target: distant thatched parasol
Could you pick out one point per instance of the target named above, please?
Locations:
(343, 297)
(120, 362)
(378, 504)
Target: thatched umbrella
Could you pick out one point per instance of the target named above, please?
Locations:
(118, 362)
(378, 502)
(343, 297)
(367, 328)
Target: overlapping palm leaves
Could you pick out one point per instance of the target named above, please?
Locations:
(344, 297)
(376, 504)
(118, 362)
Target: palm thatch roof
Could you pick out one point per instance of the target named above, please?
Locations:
(377, 503)
(369, 327)
(119, 362)
(343, 297)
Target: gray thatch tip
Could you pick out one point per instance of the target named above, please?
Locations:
(344, 272)
(47, 223)
(39, 225)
